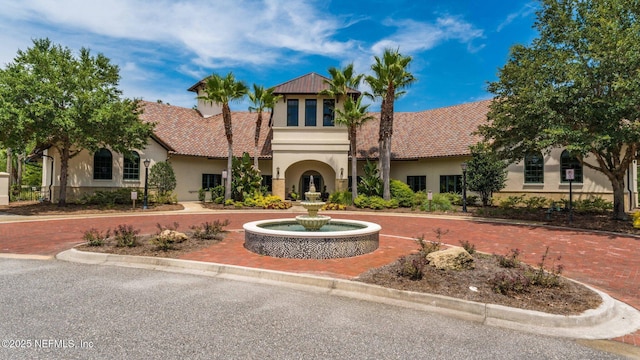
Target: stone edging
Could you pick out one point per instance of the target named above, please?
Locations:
(611, 319)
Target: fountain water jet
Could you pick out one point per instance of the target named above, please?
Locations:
(311, 236)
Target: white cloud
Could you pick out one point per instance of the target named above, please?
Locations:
(525, 11)
(413, 36)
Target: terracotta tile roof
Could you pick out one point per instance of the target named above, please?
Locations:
(433, 133)
(186, 132)
(426, 134)
(311, 83)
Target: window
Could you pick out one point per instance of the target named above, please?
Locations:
(267, 181)
(292, 112)
(131, 170)
(102, 165)
(328, 114)
(567, 161)
(310, 106)
(450, 183)
(533, 168)
(417, 183)
(211, 180)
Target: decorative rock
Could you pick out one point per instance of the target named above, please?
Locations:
(173, 236)
(455, 258)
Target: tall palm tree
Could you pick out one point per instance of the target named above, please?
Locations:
(261, 99)
(391, 76)
(222, 90)
(353, 115)
(341, 81)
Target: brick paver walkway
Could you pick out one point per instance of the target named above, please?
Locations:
(604, 261)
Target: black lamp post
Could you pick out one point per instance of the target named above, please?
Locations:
(464, 186)
(146, 183)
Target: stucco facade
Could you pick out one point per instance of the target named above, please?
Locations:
(427, 150)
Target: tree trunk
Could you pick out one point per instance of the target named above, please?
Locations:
(227, 188)
(619, 212)
(20, 159)
(10, 166)
(354, 164)
(257, 139)
(387, 118)
(386, 169)
(64, 169)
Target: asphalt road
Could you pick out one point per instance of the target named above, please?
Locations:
(52, 309)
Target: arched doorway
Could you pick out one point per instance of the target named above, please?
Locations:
(305, 181)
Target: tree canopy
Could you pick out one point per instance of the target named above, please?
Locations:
(49, 96)
(576, 86)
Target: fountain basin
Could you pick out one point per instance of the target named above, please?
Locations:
(285, 238)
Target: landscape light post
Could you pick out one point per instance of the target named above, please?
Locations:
(147, 162)
(464, 186)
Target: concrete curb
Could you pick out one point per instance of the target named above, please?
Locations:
(611, 319)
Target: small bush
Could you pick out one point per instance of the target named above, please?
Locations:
(126, 235)
(218, 200)
(210, 230)
(593, 205)
(334, 206)
(427, 247)
(543, 277)
(636, 219)
(506, 282)
(121, 196)
(470, 248)
(229, 202)
(216, 192)
(440, 202)
(341, 197)
(510, 260)
(164, 198)
(419, 199)
(412, 268)
(401, 192)
(535, 202)
(512, 201)
(454, 198)
(94, 237)
(202, 195)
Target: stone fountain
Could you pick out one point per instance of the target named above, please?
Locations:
(311, 236)
(312, 221)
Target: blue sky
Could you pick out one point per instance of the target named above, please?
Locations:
(163, 47)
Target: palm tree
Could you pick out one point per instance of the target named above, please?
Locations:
(261, 99)
(341, 81)
(353, 115)
(222, 90)
(390, 78)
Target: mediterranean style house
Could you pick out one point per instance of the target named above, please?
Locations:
(301, 140)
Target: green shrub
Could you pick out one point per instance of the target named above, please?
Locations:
(120, 196)
(202, 194)
(361, 201)
(454, 198)
(440, 202)
(593, 205)
(94, 237)
(229, 202)
(401, 192)
(334, 206)
(164, 198)
(341, 197)
(126, 235)
(512, 201)
(420, 198)
(162, 177)
(210, 230)
(217, 192)
(535, 202)
(219, 200)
